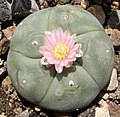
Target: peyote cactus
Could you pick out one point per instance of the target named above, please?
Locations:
(75, 87)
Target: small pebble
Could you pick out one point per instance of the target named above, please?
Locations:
(113, 84)
(2, 69)
(5, 13)
(2, 115)
(98, 12)
(10, 104)
(18, 110)
(1, 61)
(105, 96)
(42, 7)
(45, 4)
(119, 79)
(82, 3)
(108, 30)
(11, 100)
(102, 111)
(115, 37)
(41, 2)
(23, 114)
(6, 81)
(62, 1)
(117, 92)
(112, 96)
(34, 6)
(115, 5)
(8, 32)
(43, 114)
(113, 20)
(37, 108)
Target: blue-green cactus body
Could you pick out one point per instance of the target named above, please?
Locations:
(75, 87)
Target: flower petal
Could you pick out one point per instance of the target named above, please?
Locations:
(52, 61)
(72, 59)
(71, 54)
(60, 34)
(66, 37)
(48, 40)
(54, 40)
(79, 53)
(73, 36)
(47, 54)
(64, 62)
(69, 64)
(59, 68)
(72, 41)
(57, 35)
(76, 47)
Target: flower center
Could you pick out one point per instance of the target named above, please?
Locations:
(60, 51)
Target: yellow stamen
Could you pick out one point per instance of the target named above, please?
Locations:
(60, 51)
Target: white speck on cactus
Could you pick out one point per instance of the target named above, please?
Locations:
(71, 83)
(72, 11)
(77, 109)
(21, 23)
(107, 51)
(35, 43)
(66, 16)
(24, 81)
(48, 33)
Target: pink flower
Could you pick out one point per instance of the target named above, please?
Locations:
(60, 49)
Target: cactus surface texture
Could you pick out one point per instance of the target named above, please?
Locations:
(77, 86)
